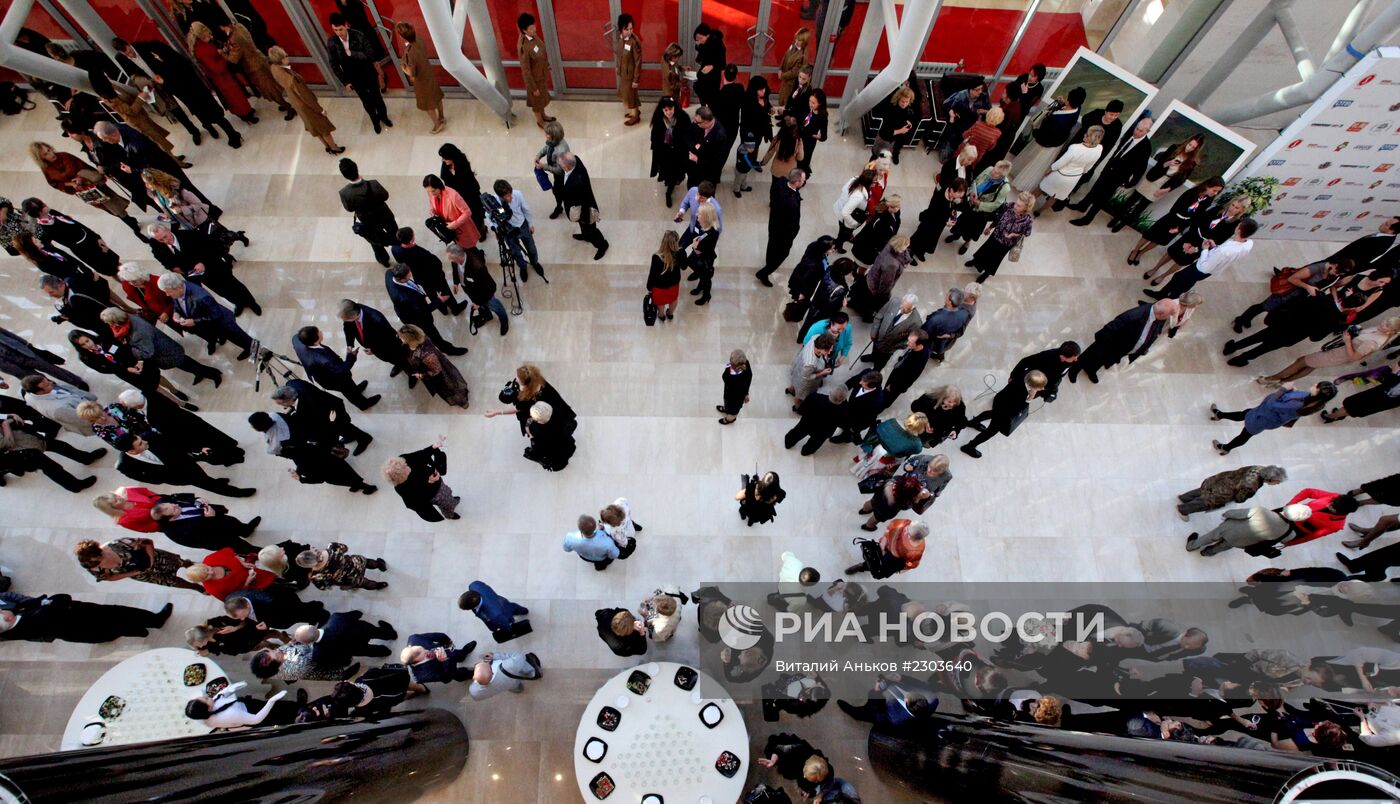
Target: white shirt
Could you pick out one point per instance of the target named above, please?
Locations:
(625, 531)
(1214, 260)
(237, 714)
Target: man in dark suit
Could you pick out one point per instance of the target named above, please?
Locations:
(866, 401)
(192, 522)
(427, 270)
(1053, 363)
(576, 192)
(946, 325)
(127, 63)
(907, 369)
(314, 415)
(821, 415)
(1009, 408)
(19, 358)
(1374, 250)
(707, 148)
(352, 60)
(430, 657)
(414, 306)
(1124, 168)
(59, 617)
(1128, 335)
(328, 370)
(368, 201)
(784, 219)
(346, 635)
(199, 259)
(495, 611)
(371, 329)
(198, 312)
(77, 308)
(174, 73)
(277, 606)
(172, 466)
(132, 152)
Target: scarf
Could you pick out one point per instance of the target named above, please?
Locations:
(121, 331)
(277, 434)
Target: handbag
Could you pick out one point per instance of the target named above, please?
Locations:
(438, 226)
(874, 558)
(1015, 254)
(358, 226)
(796, 310)
(576, 213)
(542, 176)
(763, 794)
(648, 310)
(1279, 284)
(509, 393)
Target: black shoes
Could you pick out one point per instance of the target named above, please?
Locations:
(968, 449)
(603, 249)
(363, 445)
(763, 277)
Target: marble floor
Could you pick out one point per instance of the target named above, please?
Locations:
(1083, 492)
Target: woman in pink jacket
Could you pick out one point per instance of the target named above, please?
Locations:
(448, 204)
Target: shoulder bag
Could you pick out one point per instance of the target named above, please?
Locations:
(648, 310)
(1279, 284)
(542, 176)
(1015, 254)
(797, 310)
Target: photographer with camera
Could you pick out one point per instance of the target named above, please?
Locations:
(470, 273)
(508, 216)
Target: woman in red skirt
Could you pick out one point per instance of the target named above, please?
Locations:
(215, 66)
(664, 279)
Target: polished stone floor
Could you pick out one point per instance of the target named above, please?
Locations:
(1083, 492)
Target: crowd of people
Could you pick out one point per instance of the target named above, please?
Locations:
(127, 321)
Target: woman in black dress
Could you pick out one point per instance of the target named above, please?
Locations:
(664, 276)
(669, 127)
(946, 199)
(812, 127)
(878, 229)
(755, 128)
(759, 498)
(1383, 396)
(417, 477)
(551, 441)
(947, 415)
(1182, 214)
(700, 253)
(1216, 224)
(737, 378)
(529, 387)
(456, 172)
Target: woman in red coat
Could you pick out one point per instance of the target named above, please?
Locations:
(1330, 512)
(129, 507)
(448, 204)
(215, 67)
(140, 287)
(224, 572)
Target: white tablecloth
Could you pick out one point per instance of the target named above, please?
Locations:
(661, 746)
(152, 684)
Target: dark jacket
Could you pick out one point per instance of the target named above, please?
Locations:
(417, 491)
(711, 149)
(368, 200)
(411, 306)
(380, 336)
(438, 670)
(736, 387)
(310, 421)
(1126, 170)
(634, 644)
(1116, 338)
(494, 611)
(201, 307)
(577, 189)
(1048, 363)
(194, 247)
(861, 411)
(326, 368)
(1008, 406)
(82, 310)
(906, 372)
(784, 209)
(426, 267)
(357, 66)
(476, 281)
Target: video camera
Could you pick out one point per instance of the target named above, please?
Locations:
(499, 213)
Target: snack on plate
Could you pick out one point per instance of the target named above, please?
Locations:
(215, 687)
(194, 675)
(638, 683)
(608, 719)
(602, 786)
(686, 678)
(112, 708)
(727, 764)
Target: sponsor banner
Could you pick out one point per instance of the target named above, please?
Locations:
(1342, 144)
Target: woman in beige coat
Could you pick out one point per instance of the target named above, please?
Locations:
(303, 100)
(419, 70)
(240, 51)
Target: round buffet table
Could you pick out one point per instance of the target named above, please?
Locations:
(143, 699)
(647, 737)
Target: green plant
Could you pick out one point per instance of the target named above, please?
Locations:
(1258, 189)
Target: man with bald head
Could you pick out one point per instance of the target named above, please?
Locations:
(503, 672)
(1129, 335)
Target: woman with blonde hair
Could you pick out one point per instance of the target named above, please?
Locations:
(946, 412)
(417, 477)
(426, 91)
(898, 117)
(1010, 407)
(793, 61)
(547, 161)
(529, 387)
(182, 207)
(664, 276)
(1356, 345)
(240, 50)
(211, 61)
(427, 363)
(67, 173)
(1009, 227)
(303, 101)
(899, 439)
(700, 254)
(737, 379)
(621, 631)
(986, 132)
(1066, 172)
(130, 507)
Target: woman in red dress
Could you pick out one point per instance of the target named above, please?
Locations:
(212, 62)
(130, 507)
(664, 279)
(224, 572)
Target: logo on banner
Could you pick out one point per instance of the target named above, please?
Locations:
(1363, 214)
(1342, 104)
(1291, 180)
(1323, 197)
(1359, 125)
(1389, 146)
(1333, 183)
(1321, 213)
(1368, 199)
(1277, 162)
(1324, 165)
(1342, 146)
(1368, 79)
(1362, 147)
(1294, 144)
(1326, 125)
(1379, 127)
(1384, 167)
(1278, 226)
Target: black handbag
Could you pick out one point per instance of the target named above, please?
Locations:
(763, 794)
(880, 564)
(509, 393)
(438, 226)
(648, 310)
(479, 317)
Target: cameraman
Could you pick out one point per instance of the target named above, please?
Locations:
(515, 230)
(470, 273)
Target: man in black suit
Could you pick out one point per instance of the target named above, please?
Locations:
(314, 415)
(910, 365)
(19, 358)
(1124, 168)
(328, 370)
(132, 152)
(79, 309)
(352, 61)
(370, 328)
(707, 148)
(192, 522)
(59, 617)
(1128, 335)
(576, 193)
(200, 259)
(430, 657)
(368, 201)
(1374, 250)
(172, 466)
(1009, 408)
(866, 400)
(427, 270)
(318, 457)
(414, 306)
(174, 73)
(346, 635)
(784, 219)
(277, 606)
(197, 311)
(821, 415)
(1053, 363)
(127, 62)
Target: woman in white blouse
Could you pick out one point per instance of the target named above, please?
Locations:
(1072, 166)
(851, 207)
(225, 710)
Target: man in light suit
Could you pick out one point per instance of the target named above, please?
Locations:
(891, 329)
(196, 311)
(1123, 169)
(328, 370)
(414, 306)
(576, 192)
(501, 672)
(1128, 335)
(57, 402)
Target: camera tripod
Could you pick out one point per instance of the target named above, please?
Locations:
(273, 365)
(510, 286)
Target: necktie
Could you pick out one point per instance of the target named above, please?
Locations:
(360, 327)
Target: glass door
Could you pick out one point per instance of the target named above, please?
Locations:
(375, 19)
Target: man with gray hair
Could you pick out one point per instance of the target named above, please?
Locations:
(1256, 528)
(318, 416)
(196, 311)
(576, 196)
(891, 329)
(946, 324)
(199, 259)
(57, 402)
(784, 219)
(1128, 335)
(1230, 486)
(371, 329)
(130, 152)
(821, 415)
(79, 308)
(496, 673)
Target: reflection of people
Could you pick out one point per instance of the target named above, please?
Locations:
(1171, 167)
(1060, 120)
